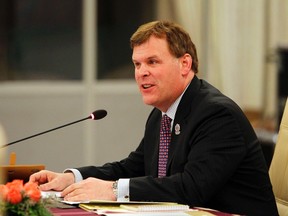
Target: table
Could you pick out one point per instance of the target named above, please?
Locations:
(70, 211)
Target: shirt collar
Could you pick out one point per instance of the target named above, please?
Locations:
(173, 108)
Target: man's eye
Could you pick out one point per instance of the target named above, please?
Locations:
(136, 65)
(152, 62)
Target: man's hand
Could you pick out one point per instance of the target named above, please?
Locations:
(48, 180)
(89, 189)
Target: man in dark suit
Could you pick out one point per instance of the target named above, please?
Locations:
(214, 157)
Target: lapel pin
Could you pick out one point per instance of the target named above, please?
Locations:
(177, 129)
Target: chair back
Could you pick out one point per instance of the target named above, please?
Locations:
(279, 166)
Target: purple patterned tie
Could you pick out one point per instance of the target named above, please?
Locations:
(165, 137)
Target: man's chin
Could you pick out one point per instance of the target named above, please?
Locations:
(148, 101)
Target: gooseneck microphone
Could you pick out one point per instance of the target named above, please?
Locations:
(96, 115)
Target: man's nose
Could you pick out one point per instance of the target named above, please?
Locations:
(143, 71)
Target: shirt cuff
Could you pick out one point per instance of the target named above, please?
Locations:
(123, 190)
(77, 174)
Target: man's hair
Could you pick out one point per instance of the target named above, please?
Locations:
(179, 41)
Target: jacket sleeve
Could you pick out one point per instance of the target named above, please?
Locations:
(126, 168)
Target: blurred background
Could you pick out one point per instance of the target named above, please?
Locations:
(61, 60)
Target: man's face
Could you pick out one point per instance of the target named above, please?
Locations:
(158, 73)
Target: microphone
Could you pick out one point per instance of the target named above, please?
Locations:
(96, 115)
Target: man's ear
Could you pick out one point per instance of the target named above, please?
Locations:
(186, 62)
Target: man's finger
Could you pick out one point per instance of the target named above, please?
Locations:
(47, 186)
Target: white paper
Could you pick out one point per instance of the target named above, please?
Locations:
(47, 194)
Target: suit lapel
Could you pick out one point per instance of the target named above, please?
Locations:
(181, 118)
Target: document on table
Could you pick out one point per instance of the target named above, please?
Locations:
(113, 202)
(126, 208)
(143, 208)
(155, 207)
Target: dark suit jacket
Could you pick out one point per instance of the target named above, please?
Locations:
(216, 160)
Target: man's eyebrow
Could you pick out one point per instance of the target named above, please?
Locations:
(148, 58)
(153, 56)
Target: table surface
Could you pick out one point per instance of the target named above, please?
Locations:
(70, 211)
